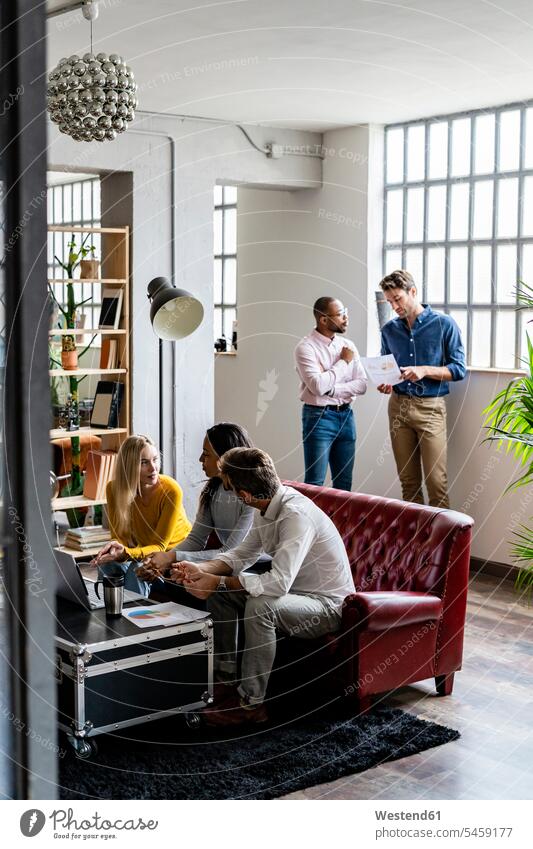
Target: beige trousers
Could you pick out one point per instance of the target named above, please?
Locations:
(418, 436)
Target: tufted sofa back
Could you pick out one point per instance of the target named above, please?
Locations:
(392, 545)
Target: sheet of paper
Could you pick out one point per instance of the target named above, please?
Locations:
(382, 369)
(167, 614)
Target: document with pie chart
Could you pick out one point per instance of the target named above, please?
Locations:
(382, 369)
(166, 614)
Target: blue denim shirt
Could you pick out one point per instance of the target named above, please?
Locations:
(434, 340)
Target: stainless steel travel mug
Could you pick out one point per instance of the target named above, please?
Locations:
(113, 586)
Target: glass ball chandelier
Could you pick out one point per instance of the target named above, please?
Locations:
(92, 98)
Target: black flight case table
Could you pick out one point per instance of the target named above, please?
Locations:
(112, 675)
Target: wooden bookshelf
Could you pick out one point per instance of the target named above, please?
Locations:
(68, 228)
(77, 554)
(81, 372)
(89, 331)
(75, 501)
(93, 280)
(61, 433)
(115, 271)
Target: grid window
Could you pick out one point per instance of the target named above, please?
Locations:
(225, 264)
(76, 203)
(459, 217)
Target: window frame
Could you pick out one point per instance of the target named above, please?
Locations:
(495, 176)
(87, 218)
(224, 305)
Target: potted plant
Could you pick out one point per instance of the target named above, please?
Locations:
(75, 256)
(69, 353)
(509, 421)
(89, 268)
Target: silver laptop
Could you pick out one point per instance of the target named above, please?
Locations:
(72, 586)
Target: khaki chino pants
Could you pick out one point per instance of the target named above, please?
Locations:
(418, 436)
(304, 616)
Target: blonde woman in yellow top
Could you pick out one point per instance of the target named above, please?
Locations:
(145, 512)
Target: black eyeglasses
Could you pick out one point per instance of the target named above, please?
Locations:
(339, 314)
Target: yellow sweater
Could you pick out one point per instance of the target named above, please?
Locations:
(158, 526)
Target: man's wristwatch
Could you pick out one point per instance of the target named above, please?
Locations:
(221, 586)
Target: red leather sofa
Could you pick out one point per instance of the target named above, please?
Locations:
(405, 622)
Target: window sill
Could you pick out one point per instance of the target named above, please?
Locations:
(225, 353)
(496, 370)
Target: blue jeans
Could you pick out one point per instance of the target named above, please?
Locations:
(131, 581)
(328, 437)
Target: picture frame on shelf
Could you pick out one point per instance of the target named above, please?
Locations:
(107, 402)
(110, 312)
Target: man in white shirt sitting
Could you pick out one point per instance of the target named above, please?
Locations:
(302, 594)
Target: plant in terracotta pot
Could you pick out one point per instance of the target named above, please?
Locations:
(75, 256)
(69, 353)
(89, 268)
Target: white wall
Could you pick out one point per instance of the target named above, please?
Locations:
(205, 153)
(295, 246)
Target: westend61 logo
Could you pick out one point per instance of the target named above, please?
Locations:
(64, 824)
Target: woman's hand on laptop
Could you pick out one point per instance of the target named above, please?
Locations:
(112, 551)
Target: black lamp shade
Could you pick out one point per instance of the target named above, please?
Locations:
(174, 313)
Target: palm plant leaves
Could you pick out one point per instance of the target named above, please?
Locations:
(509, 422)
(522, 553)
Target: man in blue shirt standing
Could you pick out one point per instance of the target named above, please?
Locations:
(428, 348)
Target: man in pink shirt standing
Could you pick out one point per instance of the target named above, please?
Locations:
(331, 376)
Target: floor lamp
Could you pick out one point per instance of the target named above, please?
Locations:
(174, 314)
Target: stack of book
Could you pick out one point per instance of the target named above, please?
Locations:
(100, 469)
(94, 536)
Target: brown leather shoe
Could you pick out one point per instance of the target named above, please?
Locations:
(233, 712)
(222, 692)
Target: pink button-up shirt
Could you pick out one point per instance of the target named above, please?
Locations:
(325, 378)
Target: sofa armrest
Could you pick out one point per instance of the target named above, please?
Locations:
(378, 611)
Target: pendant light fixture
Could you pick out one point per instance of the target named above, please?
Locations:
(92, 98)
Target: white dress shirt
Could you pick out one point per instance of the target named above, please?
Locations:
(325, 377)
(308, 554)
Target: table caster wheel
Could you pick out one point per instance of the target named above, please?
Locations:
(84, 749)
(193, 721)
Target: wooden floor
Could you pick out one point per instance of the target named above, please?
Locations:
(491, 705)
